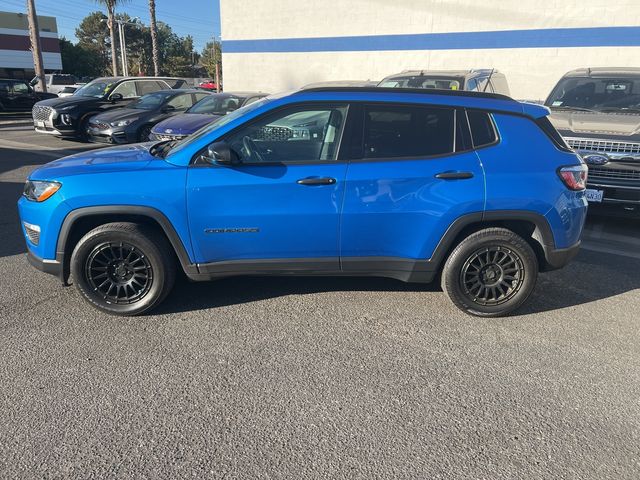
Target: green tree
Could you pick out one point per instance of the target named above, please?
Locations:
(212, 54)
(80, 60)
(110, 5)
(93, 36)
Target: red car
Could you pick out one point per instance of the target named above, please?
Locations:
(209, 84)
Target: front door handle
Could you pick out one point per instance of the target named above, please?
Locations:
(454, 175)
(316, 181)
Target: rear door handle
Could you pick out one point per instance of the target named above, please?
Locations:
(454, 175)
(316, 181)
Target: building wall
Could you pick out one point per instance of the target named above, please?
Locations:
(15, 53)
(274, 45)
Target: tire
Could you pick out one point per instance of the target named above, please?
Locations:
(490, 273)
(82, 129)
(143, 133)
(123, 268)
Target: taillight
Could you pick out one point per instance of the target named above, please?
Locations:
(574, 177)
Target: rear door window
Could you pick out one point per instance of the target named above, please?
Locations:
(398, 131)
(149, 86)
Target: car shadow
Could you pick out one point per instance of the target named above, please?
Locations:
(592, 276)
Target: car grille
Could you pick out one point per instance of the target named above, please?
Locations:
(163, 136)
(600, 172)
(41, 113)
(274, 134)
(98, 126)
(604, 146)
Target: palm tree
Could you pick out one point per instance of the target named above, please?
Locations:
(154, 37)
(111, 8)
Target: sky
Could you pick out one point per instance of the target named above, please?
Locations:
(198, 18)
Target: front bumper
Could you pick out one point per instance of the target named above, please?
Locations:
(617, 193)
(110, 136)
(52, 267)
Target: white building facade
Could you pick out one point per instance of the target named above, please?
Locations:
(275, 45)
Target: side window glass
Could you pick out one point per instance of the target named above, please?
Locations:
(482, 130)
(199, 96)
(472, 85)
(408, 131)
(308, 134)
(126, 89)
(147, 86)
(20, 87)
(251, 100)
(181, 102)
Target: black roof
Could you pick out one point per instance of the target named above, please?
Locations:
(421, 91)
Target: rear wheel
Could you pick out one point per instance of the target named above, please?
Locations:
(123, 268)
(490, 273)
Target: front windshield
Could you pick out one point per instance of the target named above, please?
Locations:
(217, 105)
(97, 89)
(150, 101)
(217, 124)
(601, 94)
(422, 81)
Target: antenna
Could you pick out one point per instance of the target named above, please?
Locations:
(488, 80)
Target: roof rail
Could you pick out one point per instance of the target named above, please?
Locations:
(421, 91)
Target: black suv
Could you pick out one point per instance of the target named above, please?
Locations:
(18, 95)
(69, 116)
(597, 111)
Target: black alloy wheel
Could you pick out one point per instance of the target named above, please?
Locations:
(124, 268)
(119, 272)
(490, 273)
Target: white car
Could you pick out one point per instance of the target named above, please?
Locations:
(55, 82)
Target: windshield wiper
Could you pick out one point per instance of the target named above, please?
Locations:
(620, 109)
(577, 109)
(161, 149)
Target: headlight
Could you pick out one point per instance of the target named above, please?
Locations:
(37, 191)
(122, 123)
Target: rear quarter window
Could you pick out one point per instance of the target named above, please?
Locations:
(551, 132)
(483, 132)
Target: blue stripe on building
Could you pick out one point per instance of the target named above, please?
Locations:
(537, 38)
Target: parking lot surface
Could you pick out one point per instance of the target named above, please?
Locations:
(317, 377)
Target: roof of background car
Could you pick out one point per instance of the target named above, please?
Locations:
(460, 98)
(176, 91)
(442, 73)
(245, 94)
(117, 79)
(603, 72)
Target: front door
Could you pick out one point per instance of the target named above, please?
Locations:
(279, 207)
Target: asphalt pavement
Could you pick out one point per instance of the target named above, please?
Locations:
(307, 378)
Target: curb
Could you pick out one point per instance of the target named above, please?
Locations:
(15, 123)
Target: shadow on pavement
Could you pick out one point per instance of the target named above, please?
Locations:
(591, 277)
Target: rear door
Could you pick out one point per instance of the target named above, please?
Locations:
(414, 176)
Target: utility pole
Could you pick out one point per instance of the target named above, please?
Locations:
(34, 35)
(123, 49)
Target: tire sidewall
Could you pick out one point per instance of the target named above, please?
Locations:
(78, 264)
(452, 278)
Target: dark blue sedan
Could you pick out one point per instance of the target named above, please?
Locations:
(202, 113)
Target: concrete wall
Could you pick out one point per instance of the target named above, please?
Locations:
(274, 45)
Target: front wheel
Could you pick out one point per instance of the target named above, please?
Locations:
(123, 268)
(491, 273)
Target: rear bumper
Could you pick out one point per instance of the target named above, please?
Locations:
(557, 258)
(52, 267)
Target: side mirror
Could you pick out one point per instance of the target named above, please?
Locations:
(220, 153)
(33, 81)
(115, 97)
(169, 109)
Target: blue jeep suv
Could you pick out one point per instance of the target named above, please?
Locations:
(475, 189)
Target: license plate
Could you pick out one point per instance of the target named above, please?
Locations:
(594, 195)
(39, 124)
